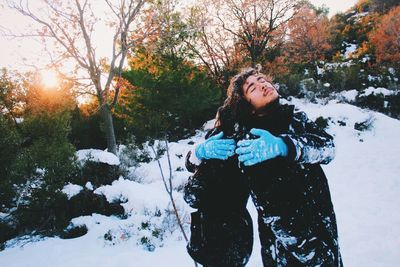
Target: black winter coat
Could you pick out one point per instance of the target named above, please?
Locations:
(221, 228)
(296, 218)
(297, 223)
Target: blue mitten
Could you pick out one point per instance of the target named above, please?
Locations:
(216, 148)
(266, 147)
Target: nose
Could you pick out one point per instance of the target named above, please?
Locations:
(263, 87)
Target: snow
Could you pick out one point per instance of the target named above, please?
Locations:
(138, 196)
(97, 155)
(350, 49)
(71, 190)
(320, 71)
(363, 178)
(209, 125)
(357, 17)
(335, 65)
(376, 91)
(373, 78)
(349, 96)
(89, 186)
(365, 59)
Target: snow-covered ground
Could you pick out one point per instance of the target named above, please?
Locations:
(365, 187)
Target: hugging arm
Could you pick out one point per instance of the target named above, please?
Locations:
(191, 162)
(307, 143)
(214, 147)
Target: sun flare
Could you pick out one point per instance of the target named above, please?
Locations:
(49, 78)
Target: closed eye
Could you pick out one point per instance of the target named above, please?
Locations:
(248, 88)
(262, 80)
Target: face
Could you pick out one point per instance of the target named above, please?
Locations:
(259, 92)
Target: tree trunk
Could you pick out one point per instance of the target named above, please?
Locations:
(109, 129)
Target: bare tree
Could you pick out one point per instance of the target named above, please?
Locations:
(71, 25)
(215, 49)
(168, 183)
(245, 25)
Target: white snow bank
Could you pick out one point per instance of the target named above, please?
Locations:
(71, 190)
(137, 196)
(349, 96)
(97, 155)
(149, 173)
(376, 91)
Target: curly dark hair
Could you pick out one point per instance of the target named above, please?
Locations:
(236, 109)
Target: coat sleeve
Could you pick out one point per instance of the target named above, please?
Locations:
(192, 162)
(307, 143)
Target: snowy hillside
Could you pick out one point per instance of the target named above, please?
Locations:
(365, 186)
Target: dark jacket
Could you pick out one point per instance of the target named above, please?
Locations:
(217, 185)
(221, 228)
(291, 194)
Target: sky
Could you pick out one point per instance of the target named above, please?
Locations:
(335, 6)
(24, 54)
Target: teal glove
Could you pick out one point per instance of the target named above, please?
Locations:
(216, 148)
(266, 147)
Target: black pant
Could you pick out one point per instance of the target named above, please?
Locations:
(283, 247)
(221, 240)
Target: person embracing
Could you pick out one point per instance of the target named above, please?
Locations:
(278, 151)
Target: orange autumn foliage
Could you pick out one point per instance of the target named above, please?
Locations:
(89, 108)
(39, 99)
(277, 67)
(386, 38)
(308, 37)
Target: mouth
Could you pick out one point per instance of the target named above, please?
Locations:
(267, 91)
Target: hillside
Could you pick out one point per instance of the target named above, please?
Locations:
(364, 181)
